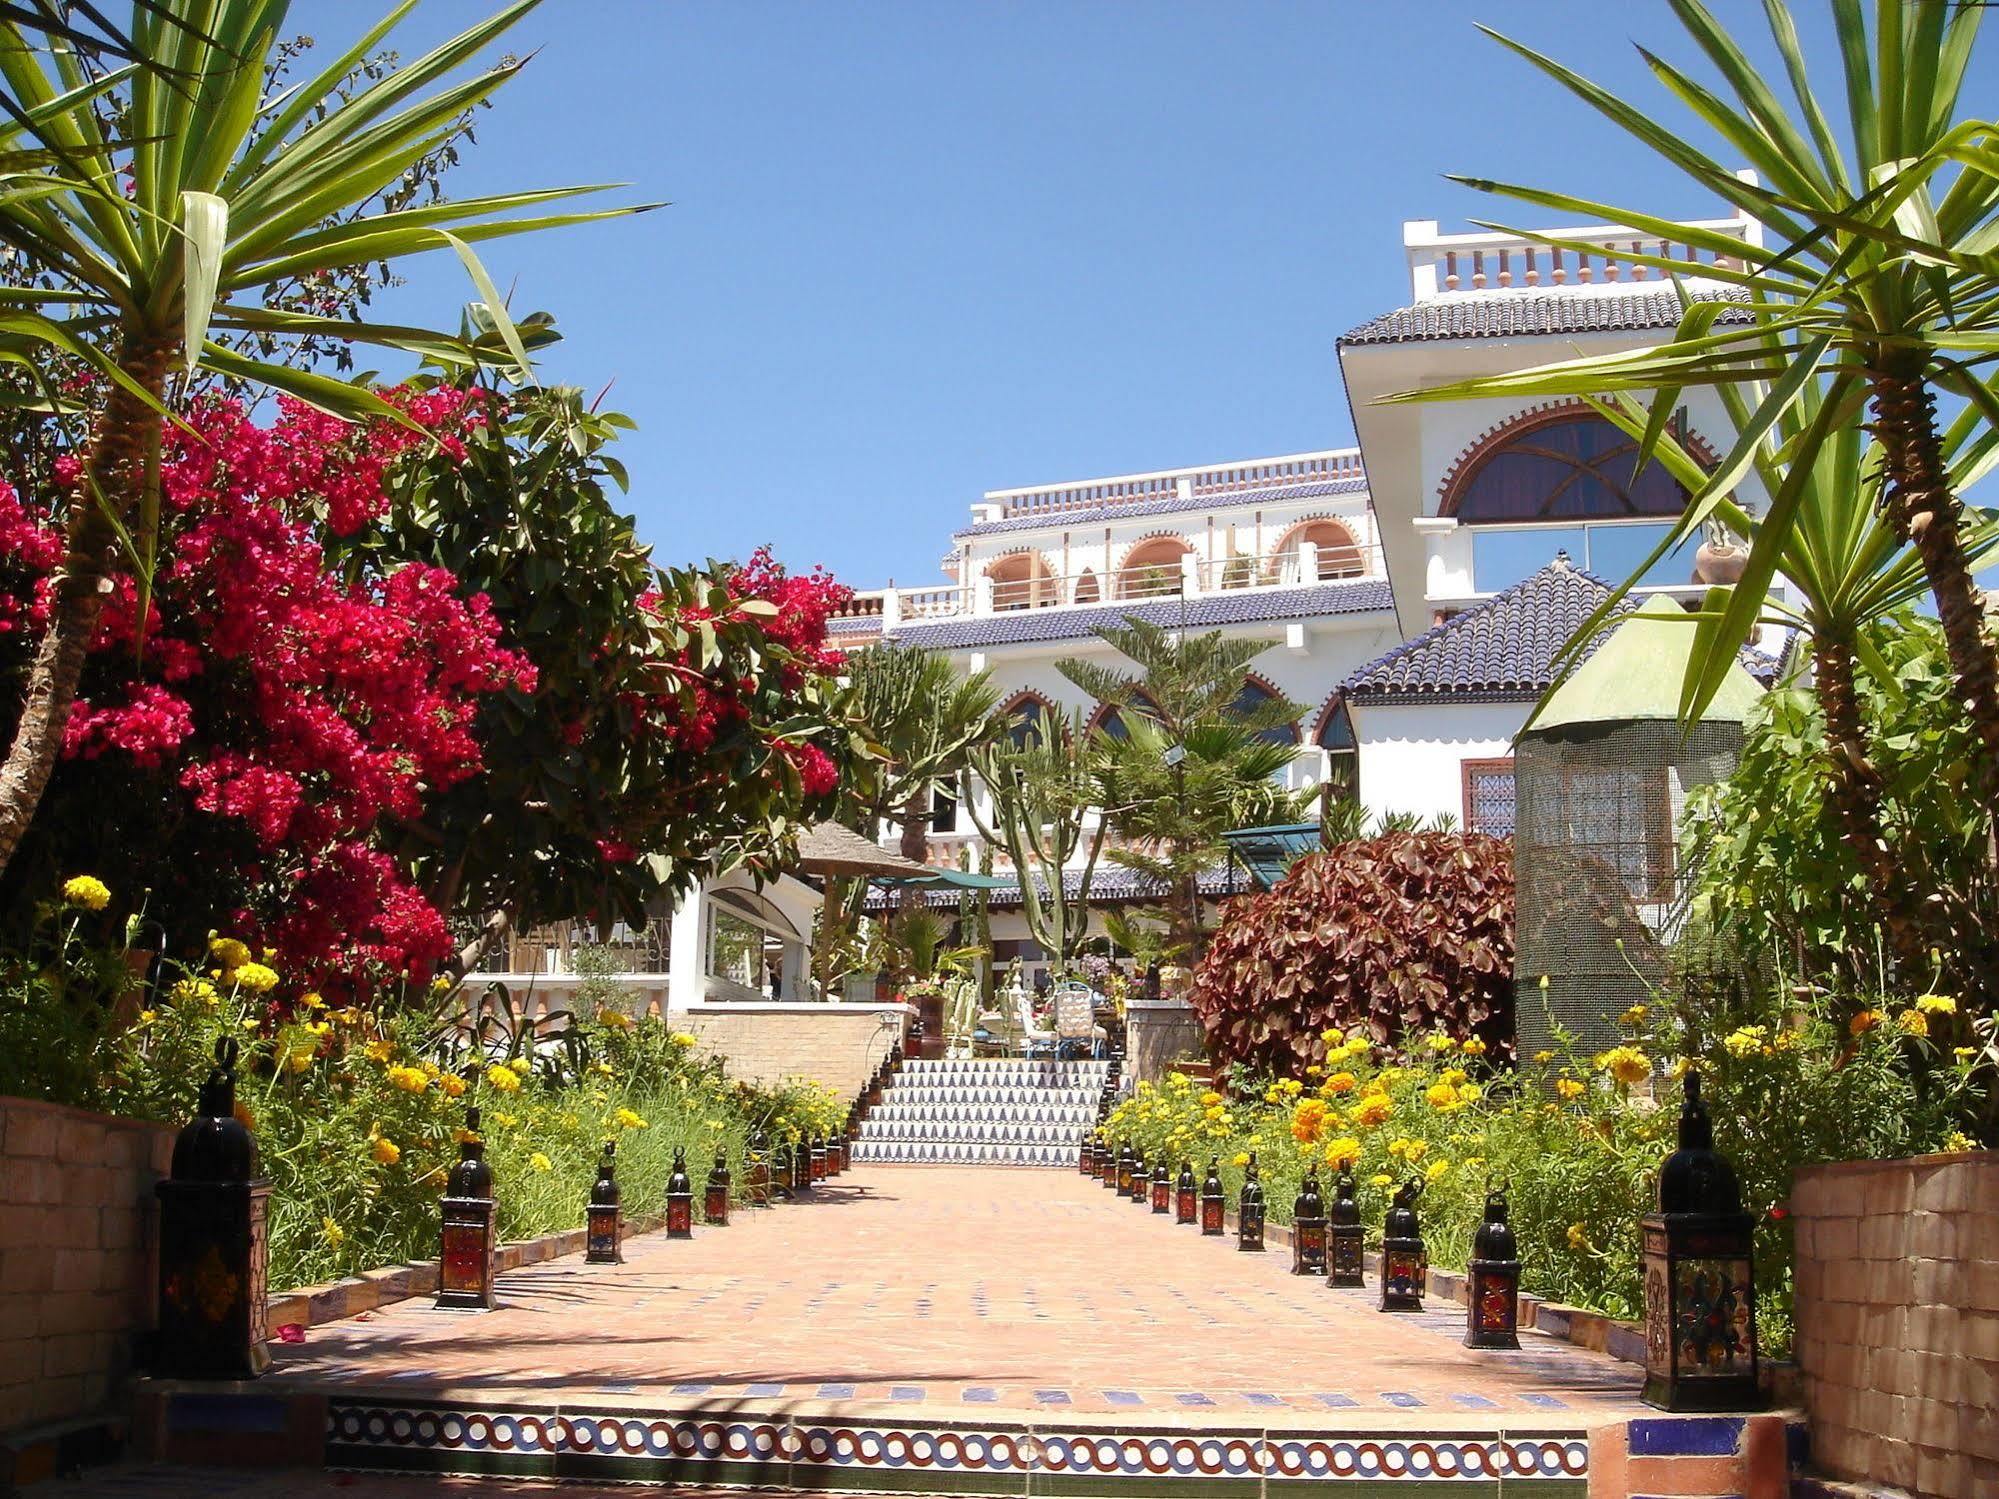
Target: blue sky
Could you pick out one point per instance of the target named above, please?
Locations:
(920, 250)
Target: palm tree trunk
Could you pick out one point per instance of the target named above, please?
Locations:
(915, 840)
(1924, 510)
(115, 471)
(1855, 801)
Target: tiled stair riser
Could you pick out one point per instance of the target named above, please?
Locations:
(745, 1449)
(983, 1112)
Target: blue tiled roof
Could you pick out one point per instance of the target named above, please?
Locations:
(1520, 313)
(1352, 596)
(1165, 507)
(854, 624)
(1110, 883)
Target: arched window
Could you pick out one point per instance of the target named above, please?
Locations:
(1022, 580)
(1152, 568)
(1562, 466)
(1087, 589)
(1029, 718)
(1253, 696)
(1336, 738)
(1111, 719)
(1338, 554)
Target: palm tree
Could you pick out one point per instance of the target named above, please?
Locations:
(924, 721)
(1881, 280)
(157, 202)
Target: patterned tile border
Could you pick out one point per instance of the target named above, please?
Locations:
(747, 1448)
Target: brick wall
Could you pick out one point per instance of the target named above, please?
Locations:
(1898, 1320)
(838, 1045)
(76, 1255)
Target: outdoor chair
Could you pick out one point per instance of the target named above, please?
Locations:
(1076, 1029)
(1036, 1041)
(961, 1014)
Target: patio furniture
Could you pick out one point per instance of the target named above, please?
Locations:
(1076, 1029)
(1036, 1041)
(961, 1016)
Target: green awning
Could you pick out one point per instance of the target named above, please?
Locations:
(1635, 676)
(1268, 853)
(956, 879)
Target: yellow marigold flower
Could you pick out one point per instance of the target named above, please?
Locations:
(1440, 1095)
(1270, 1094)
(502, 1079)
(1210, 1098)
(188, 991)
(1343, 1152)
(255, 977)
(521, 1066)
(1474, 1047)
(409, 1079)
(681, 1039)
(1569, 1088)
(1380, 1179)
(378, 1050)
(1962, 1053)
(1745, 1041)
(332, 1232)
(452, 1085)
(1864, 1022)
(1441, 1042)
(617, 1020)
(1626, 1063)
(147, 1017)
(1436, 1171)
(1913, 1023)
(626, 1119)
(1291, 1086)
(1408, 1150)
(86, 892)
(1578, 1236)
(312, 1001)
(1341, 1082)
(1372, 1110)
(228, 951)
(1936, 1004)
(1470, 1093)
(1543, 1058)
(1635, 1016)
(386, 1152)
(1241, 1158)
(541, 1162)
(1315, 1070)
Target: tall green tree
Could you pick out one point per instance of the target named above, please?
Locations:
(1879, 282)
(1042, 790)
(159, 201)
(1195, 760)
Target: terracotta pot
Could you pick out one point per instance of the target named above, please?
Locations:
(1720, 566)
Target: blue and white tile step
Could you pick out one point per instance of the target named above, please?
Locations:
(972, 1131)
(1002, 1111)
(998, 1113)
(964, 1153)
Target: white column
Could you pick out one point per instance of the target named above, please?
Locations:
(1190, 575)
(891, 610)
(982, 595)
(687, 956)
(1308, 561)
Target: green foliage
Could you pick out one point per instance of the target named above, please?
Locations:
(61, 998)
(1042, 789)
(1393, 936)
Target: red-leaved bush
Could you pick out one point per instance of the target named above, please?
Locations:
(1398, 935)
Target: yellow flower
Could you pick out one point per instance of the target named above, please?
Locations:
(1635, 1016)
(1380, 1179)
(441, 984)
(503, 1079)
(521, 1066)
(87, 892)
(332, 1232)
(1315, 1070)
(1745, 1041)
(1436, 1170)
(1913, 1023)
(1569, 1088)
(1441, 1042)
(681, 1039)
(386, 1152)
(452, 1085)
(1543, 1058)
(1626, 1063)
(1341, 1082)
(255, 977)
(378, 1050)
(1408, 1150)
(147, 1017)
(1957, 1140)
(617, 1020)
(1342, 1152)
(1864, 1022)
(1578, 1236)
(541, 1162)
(1962, 1053)
(1241, 1158)
(1936, 1004)
(1210, 1099)
(626, 1119)
(228, 951)
(1441, 1095)
(1474, 1047)
(1372, 1110)
(312, 1001)
(187, 991)
(409, 1079)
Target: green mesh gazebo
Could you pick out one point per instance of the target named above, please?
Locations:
(1600, 778)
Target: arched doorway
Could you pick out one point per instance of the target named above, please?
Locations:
(1338, 554)
(1152, 568)
(1021, 580)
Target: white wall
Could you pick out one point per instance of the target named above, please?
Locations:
(1412, 756)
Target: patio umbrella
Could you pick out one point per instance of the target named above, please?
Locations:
(826, 848)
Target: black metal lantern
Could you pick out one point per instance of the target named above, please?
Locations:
(818, 1159)
(715, 1196)
(1086, 1156)
(1107, 1160)
(1125, 1161)
(1492, 1281)
(604, 1240)
(1700, 1278)
(213, 1246)
(797, 1169)
(1162, 1187)
(1345, 1238)
(1141, 1178)
(1186, 1196)
(1213, 1201)
(465, 1265)
(1308, 1229)
(1249, 1209)
(679, 1198)
(1403, 1257)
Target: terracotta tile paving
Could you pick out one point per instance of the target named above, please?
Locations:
(955, 1293)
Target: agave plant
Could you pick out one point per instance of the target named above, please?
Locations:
(157, 202)
(1879, 288)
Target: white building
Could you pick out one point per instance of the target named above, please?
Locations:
(1413, 591)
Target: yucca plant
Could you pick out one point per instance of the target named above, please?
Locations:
(1879, 288)
(156, 202)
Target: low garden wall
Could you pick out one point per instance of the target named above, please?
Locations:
(835, 1044)
(1898, 1320)
(76, 1256)
(1159, 1033)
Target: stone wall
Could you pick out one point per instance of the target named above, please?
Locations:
(834, 1044)
(76, 1256)
(1898, 1320)
(1158, 1033)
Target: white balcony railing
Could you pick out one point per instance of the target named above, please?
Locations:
(1171, 484)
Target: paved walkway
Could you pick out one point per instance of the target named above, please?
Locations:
(949, 1294)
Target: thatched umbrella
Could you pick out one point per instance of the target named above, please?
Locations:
(828, 849)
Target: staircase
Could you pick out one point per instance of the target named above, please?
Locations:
(999, 1111)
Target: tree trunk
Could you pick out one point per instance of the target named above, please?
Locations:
(116, 475)
(1855, 798)
(915, 841)
(1923, 510)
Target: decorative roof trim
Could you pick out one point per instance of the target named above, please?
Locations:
(1105, 514)
(1333, 700)
(1527, 419)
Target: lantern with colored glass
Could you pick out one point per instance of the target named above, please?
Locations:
(818, 1159)
(1162, 1188)
(212, 1241)
(715, 1196)
(679, 1198)
(465, 1267)
(1124, 1168)
(1186, 1196)
(1492, 1281)
(1308, 1228)
(1403, 1257)
(1249, 1209)
(1141, 1178)
(1213, 1201)
(1107, 1166)
(1086, 1156)
(603, 1241)
(1700, 1278)
(1346, 1238)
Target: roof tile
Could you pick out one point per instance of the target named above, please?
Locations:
(1517, 314)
